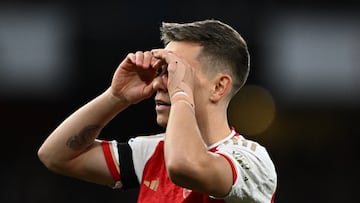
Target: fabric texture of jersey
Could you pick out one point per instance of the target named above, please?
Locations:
(253, 171)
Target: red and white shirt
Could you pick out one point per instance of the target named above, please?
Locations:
(254, 174)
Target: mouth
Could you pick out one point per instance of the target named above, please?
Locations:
(161, 105)
(159, 102)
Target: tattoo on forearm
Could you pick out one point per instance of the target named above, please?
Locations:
(85, 137)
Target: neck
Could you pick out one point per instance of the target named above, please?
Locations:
(213, 126)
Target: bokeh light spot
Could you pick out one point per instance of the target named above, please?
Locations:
(252, 110)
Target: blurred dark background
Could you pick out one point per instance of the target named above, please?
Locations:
(302, 99)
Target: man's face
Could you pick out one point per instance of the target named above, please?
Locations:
(187, 51)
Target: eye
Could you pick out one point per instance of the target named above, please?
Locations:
(162, 70)
(159, 71)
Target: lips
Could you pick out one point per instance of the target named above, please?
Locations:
(162, 106)
(159, 102)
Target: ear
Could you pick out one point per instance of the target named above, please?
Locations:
(221, 87)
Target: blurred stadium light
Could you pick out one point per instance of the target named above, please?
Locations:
(252, 110)
(35, 51)
(313, 58)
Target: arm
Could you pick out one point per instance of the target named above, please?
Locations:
(187, 158)
(72, 149)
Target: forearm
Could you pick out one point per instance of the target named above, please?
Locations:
(79, 130)
(185, 151)
(188, 161)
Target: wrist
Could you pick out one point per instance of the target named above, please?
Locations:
(182, 92)
(181, 96)
(116, 99)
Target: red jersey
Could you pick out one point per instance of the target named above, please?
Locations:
(253, 171)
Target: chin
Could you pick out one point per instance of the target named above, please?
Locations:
(161, 121)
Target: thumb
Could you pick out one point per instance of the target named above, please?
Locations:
(149, 90)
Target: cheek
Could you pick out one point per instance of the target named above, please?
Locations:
(165, 80)
(201, 92)
(202, 85)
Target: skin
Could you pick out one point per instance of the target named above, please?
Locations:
(71, 149)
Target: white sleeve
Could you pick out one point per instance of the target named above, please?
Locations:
(142, 148)
(255, 172)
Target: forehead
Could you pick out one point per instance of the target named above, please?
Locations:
(186, 50)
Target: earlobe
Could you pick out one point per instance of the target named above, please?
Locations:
(221, 87)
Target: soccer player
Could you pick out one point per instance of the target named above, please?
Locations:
(200, 157)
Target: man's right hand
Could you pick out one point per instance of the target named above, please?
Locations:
(133, 78)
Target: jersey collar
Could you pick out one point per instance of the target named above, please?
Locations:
(213, 146)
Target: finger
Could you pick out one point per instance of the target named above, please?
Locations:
(147, 59)
(139, 58)
(166, 56)
(131, 57)
(157, 63)
(173, 66)
(159, 53)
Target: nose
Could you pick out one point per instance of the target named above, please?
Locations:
(160, 83)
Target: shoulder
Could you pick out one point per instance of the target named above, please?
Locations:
(144, 146)
(248, 154)
(254, 168)
(237, 145)
(146, 140)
